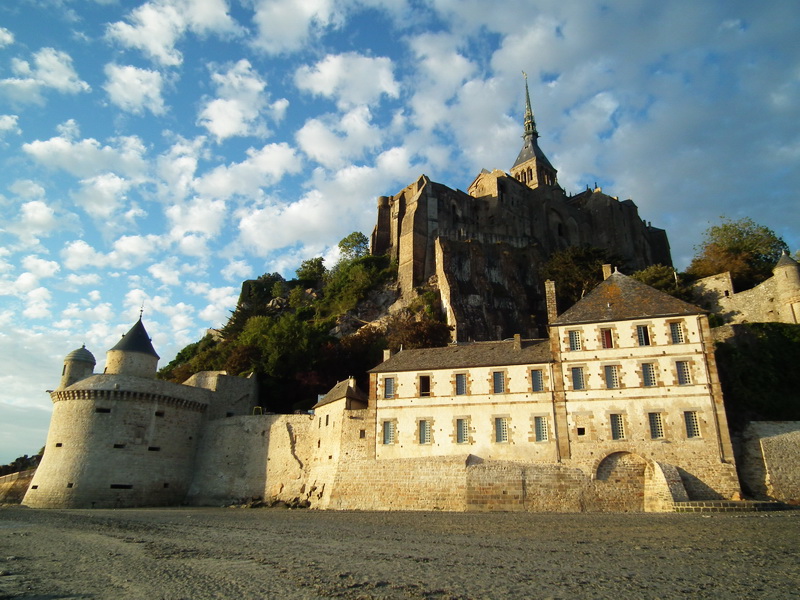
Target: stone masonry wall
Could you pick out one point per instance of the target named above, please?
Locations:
(770, 455)
(14, 485)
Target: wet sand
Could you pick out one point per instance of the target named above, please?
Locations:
(225, 553)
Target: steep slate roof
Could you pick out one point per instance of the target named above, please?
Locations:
(477, 354)
(530, 149)
(620, 298)
(136, 340)
(342, 390)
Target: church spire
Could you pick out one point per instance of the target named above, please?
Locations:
(530, 123)
(532, 167)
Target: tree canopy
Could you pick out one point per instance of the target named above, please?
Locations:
(354, 246)
(576, 270)
(743, 247)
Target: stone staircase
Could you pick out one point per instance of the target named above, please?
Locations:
(719, 506)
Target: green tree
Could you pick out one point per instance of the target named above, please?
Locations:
(353, 246)
(745, 248)
(665, 279)
(311, 271)
(409, 330)
(576, 270)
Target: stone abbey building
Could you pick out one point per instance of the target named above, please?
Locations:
(484, 247)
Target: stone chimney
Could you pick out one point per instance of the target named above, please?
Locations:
(517, 341)
(387, 354)
(550, 294)
(606, 272)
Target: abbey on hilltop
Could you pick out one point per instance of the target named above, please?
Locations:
(483, 248)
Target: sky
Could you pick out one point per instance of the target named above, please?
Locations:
(156, 154)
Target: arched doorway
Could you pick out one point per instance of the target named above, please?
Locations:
(619, 482)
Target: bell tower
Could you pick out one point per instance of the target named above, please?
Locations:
(532, 167)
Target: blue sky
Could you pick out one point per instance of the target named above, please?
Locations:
(158, 153)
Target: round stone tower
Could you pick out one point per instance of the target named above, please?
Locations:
(133, 354)
(787, 280)
(78, 364)
(120, 438)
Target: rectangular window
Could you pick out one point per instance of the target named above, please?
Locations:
(540, 428)
(461, 384)
(656, 426)
(424, 432)
(692, 424)
(102, 410)
(388, 387)
(643, 335)
(684, 374)
(617, 427)
(611, 373)
(606, 338)
(578, 382)
(388, 432)
(676, 333)
(648, 375)
(498, 382)
(574, 340)
(537, 380)
(462, 431)
(424, 385)
(501, 429)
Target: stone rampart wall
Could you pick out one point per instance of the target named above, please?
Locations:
(14, 485)
(770, 455)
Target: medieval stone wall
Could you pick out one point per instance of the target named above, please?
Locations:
(770, 455)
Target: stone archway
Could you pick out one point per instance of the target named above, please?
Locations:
(619, 482)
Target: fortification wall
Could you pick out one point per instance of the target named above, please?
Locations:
(770, 455)
(14, 485)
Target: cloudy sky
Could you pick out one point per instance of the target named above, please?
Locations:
(158, 153)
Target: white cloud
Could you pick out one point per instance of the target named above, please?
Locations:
(332, 143)
(285, 25)
(37, 303)
(134, 90)
(8, 124)
(221, 301)
(241, 100)
(51, 69)
(88, 157)
(167, 271)
(155, 27)
(6, 37)
(200, 216)
(351, 79)
(102, 196)
(261, 168)
(36, 219)
(85, 279)
(236, 270)
(40, 267)
(176, 168)
(127, 252)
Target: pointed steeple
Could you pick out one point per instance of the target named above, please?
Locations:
(532, 167)
(530, 122)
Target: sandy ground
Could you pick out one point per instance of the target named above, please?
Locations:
(279, 553)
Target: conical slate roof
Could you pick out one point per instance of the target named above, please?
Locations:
(620, 298)
(81, 354)
(786, 261)
(136, 340)
(530, 149)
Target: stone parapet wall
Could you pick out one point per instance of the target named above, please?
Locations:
(14, 485)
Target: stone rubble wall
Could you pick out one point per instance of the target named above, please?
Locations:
(770, 455)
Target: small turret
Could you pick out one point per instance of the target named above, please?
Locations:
(133, 354)
(78, 364)
(787, 279)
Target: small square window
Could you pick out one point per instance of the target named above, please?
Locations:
(656, 426)
(424, 432)
(611, 374)
(578, 382)
(159, 413)
(643, 335)
(462, 431)
(676, 333)
(617, 427)
(388, 387)
(581, 431)
(540, 428)
(498, 382)
(575, 340)
(692, 424)
(501, 430)
(607, 338)
(424, 385)
(362, 433)
(461, 384)
(684, 374)
(648, 375)
(537, 380)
